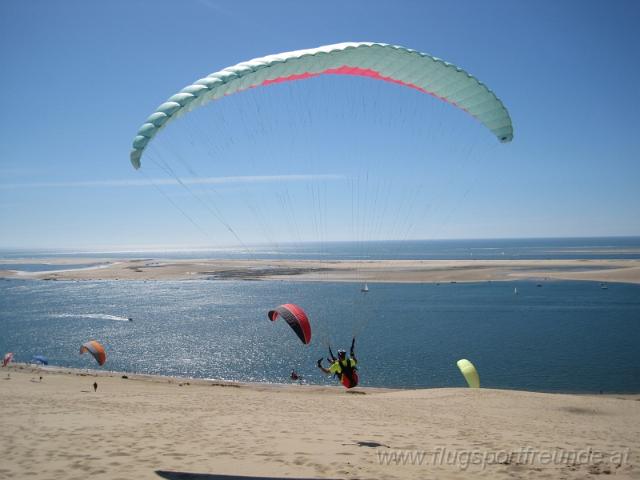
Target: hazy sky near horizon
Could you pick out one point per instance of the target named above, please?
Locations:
(337, 159)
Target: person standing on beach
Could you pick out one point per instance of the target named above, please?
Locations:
(95, 386)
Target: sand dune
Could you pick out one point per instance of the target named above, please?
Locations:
(156, 427)
(627, 271)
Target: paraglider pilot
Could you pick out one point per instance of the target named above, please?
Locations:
(345, 368)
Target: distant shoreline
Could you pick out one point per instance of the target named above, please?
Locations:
(153, 378)
(32, 369)
(371, 271)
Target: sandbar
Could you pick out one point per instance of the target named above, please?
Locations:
(391, 271)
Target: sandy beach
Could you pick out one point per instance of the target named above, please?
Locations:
(399, 271)
(158, 427)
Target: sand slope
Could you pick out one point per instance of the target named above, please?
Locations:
(150, 429)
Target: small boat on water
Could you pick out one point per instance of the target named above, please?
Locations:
(604, 286)
(365, 289)
(515, 290)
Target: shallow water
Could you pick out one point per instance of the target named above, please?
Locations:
(563, 336)
(47, 267)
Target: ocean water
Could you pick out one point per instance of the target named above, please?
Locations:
(497, 249)
(46, 267)
(560, 336)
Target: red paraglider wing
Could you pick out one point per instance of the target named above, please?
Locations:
(296, 318)
(7, 358)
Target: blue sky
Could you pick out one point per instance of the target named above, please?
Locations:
(321, 161)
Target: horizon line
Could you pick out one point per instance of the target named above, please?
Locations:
(145, 248)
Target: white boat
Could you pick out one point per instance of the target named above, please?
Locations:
(515, 290)
(365, 289)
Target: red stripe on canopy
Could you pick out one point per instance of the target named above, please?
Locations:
(360, 72)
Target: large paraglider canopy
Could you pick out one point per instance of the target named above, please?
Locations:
(95, 349)
(301, 203)
(296, 318)
(378, 61)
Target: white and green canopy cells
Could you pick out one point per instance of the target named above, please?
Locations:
(379, 61)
